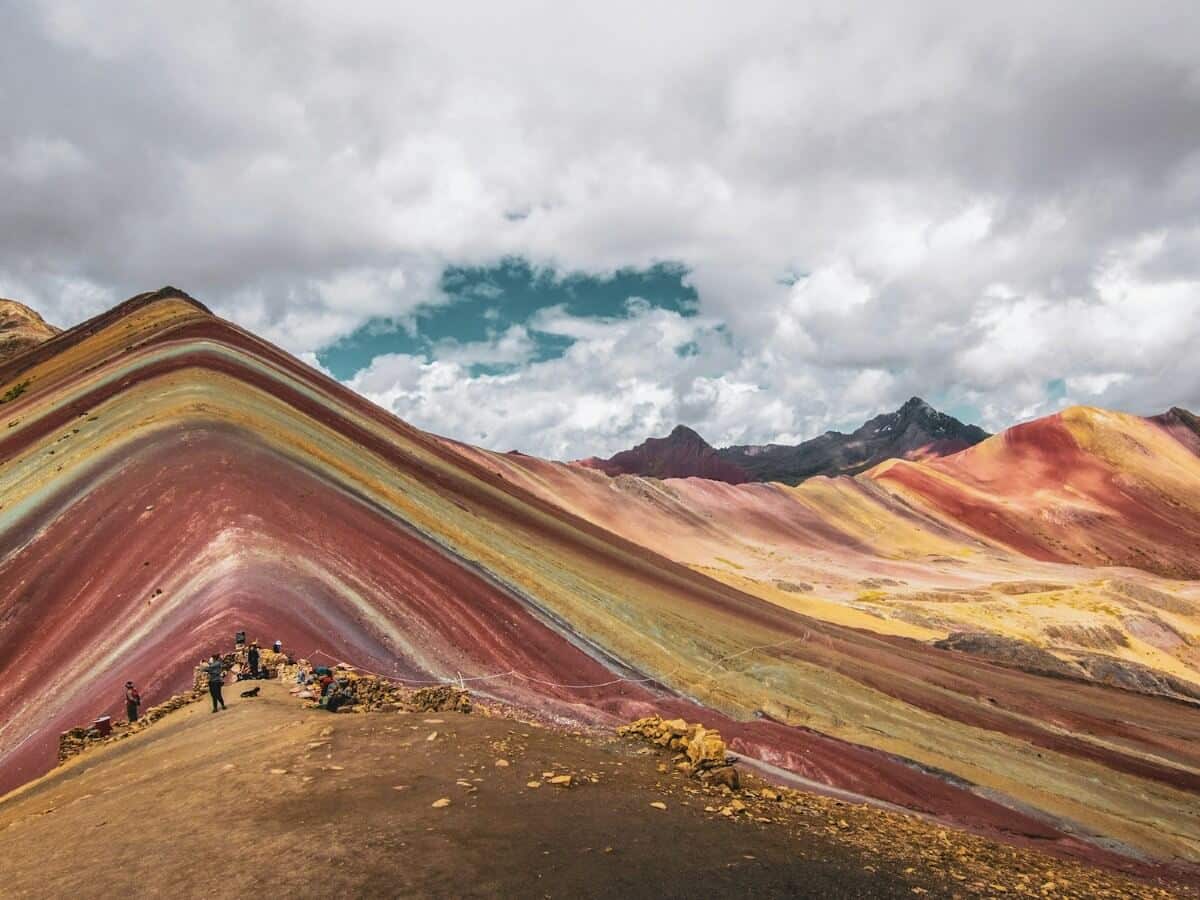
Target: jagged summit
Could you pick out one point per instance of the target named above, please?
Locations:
(916, 430)
(681, 434)
(681, 454)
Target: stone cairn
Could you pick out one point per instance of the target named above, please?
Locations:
(699, 751)
(373, 693)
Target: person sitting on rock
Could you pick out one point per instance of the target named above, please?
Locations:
(216, 677)
(132, 701)
(339, 695)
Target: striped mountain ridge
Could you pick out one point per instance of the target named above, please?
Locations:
(167, 478)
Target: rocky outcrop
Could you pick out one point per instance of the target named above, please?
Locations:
(1135, 677)
(20, 329)
(681, 454)
(699, 751)
(1008, 651)
(1084, 666)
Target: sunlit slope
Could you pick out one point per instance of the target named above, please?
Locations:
(167, 479)
(874, 551)
(1083, 486)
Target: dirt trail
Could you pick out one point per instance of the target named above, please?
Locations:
(272, 799)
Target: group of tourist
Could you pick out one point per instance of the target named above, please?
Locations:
(319, 684)
(214, 668)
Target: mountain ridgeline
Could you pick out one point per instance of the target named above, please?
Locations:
(21, 328)
(915, 431)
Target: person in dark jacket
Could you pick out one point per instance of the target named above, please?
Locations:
(216, 677)
(252, 658)
(133, 700)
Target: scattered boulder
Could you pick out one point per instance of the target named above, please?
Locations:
(726, 776)
(701, 750)
(706, 749)
(443, 698)
(794, 587)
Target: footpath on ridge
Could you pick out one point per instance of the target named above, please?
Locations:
(273, 797)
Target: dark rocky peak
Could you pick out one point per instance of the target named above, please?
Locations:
(916, 412)
(1183, 425)
(682, 435)
(681, 454)
(915, 405)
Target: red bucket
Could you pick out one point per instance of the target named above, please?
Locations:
(104, 725)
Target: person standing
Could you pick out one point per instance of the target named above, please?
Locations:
(252, 658)
(216, 677)
(133, 700)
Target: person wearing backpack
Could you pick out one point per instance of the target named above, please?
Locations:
(133, 700)
(216, 677)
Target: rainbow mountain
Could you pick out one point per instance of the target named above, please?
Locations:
(1004, 639)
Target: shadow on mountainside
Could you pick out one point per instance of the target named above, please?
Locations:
(272, 798)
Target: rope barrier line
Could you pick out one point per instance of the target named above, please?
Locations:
(513, 673)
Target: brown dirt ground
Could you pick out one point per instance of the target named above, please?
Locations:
(259, 801)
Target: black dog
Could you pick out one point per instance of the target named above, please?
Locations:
(253, 692)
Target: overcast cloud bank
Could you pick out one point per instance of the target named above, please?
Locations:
(996, 208)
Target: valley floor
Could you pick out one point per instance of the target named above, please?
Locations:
(271, 799)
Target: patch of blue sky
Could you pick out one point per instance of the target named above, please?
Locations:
(477, 305)
(967, 413)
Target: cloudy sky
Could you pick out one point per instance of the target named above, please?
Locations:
(564, 229)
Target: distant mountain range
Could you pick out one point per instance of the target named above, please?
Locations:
(915, 431)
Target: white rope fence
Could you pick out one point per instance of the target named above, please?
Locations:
(513, 673)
